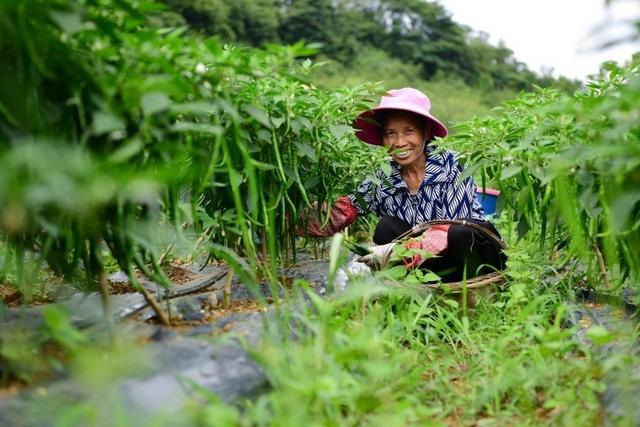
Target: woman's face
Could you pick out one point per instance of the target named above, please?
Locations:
(405, 135)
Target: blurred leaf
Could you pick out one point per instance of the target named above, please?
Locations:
(339, 131)
(197, 107)
(196, 128)
(239, 266)
(154, 102)
(277, 121)
(258, 115)
(335, 255)
(510, 171)
(126, 151)
(451, 303)
(599, 335)
(106, 122)
(141, 190)
(59, 328)
(70, 22)
(229, 108)
(397, 272)
(262, 166)
(469, 171)
(621, 209)
(307, 150)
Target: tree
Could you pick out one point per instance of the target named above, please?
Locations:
(255, 21)
(208, 16)
(413, 31)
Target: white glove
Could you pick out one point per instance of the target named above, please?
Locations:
(379, 256)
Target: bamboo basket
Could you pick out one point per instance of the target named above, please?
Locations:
(473, 289)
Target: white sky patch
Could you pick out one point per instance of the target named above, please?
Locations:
(553, 35)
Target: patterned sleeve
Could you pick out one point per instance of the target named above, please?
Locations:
(363, 198)
(468, 188)
(476, 208)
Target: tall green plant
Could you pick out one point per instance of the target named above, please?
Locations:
(568, 167)
(130, 122)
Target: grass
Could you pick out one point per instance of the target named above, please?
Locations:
(377, 356)
(372, 356)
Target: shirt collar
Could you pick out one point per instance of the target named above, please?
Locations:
(436, 170)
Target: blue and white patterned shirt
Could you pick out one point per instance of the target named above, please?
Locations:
(440, 196)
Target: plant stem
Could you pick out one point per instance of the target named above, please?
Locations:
(165, 253)
(601, 265)
(226, 293)
(155, 306)
(147, 295)
(106, 306)
(287, 252)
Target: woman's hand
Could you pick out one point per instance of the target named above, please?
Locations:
(379, 256)
(343, 213)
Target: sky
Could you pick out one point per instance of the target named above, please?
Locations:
(556, 36)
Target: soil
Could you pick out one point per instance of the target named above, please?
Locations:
(44, 291)
(212, 314)
(118, 288)
(177, 275)
(12, 388)
(9, 294)
(237, 306)
(12, 297)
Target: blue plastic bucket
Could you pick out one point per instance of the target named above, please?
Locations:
(488, 198)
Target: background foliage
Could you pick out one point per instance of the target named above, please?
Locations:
(415, 33)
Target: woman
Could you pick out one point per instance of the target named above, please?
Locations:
(423, 186)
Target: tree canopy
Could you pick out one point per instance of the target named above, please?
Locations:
(413, 31)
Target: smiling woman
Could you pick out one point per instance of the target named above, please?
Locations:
(423, 185)
(405, 136)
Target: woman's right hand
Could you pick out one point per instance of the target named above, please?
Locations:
(379, 256)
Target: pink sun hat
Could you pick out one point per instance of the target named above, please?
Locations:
(367, 124)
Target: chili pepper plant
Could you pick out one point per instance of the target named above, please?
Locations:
(569, 168)
(110, 123)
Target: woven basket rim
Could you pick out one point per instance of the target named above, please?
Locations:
(419, 228)
(481, 281)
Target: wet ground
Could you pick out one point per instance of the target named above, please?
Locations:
(609, 326)
(206, 350)
(203, 352)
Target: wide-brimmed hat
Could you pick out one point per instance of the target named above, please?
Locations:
(367, 124)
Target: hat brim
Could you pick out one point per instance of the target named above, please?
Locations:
(369, 129)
